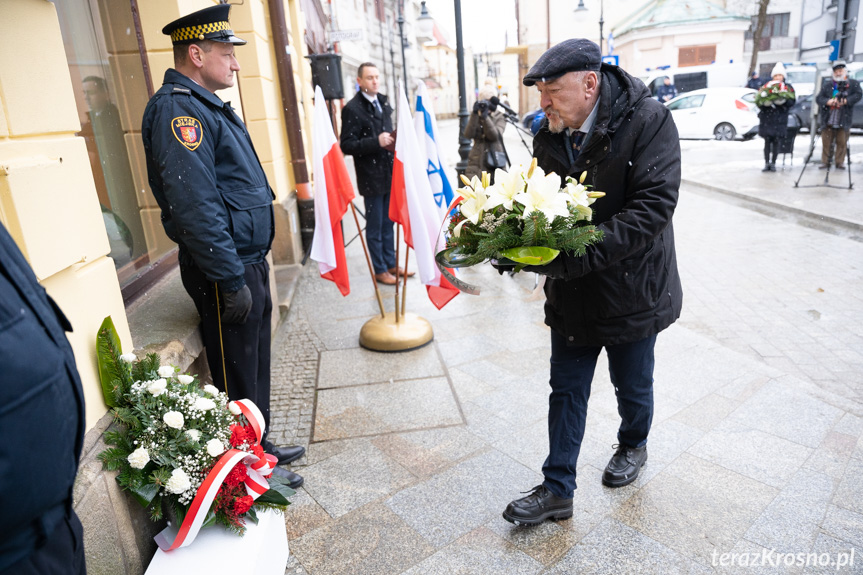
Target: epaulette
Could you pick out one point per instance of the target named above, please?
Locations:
(182, 90)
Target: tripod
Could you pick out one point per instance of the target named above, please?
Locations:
(832, 152)
(513, 119)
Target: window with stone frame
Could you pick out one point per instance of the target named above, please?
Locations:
(696, 55)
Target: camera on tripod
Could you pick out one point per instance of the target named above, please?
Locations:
(483, 106)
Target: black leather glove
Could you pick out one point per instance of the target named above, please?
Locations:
(503, 268)
(555, 269)
(476, 106)
(238, 304)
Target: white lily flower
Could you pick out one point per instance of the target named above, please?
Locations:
(506, 186)
(543, 194)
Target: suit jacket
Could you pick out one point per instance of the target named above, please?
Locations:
(41, 409)
(361, 126)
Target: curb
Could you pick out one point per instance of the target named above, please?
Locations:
(808, 218)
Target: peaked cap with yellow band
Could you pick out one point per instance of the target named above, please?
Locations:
(207, 24)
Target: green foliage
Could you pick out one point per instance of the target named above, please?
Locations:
(111, 368)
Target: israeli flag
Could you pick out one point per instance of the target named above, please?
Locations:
(425, 126)
(610, 43)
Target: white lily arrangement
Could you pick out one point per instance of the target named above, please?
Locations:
(526, 216)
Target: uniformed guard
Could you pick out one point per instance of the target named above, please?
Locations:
(217, 206)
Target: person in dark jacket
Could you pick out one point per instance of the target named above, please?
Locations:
(42, 419)
(218, 207)
(773, 119)
(485, 127)
(667, 91)
(367, 135)
(837, 98)
(754, 81)
(626, 288)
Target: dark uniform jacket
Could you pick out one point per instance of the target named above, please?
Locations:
(626, 287)
(204, 172)
(486, 131)
(361, 126)
(847, 113)
(41, 410)
(773, 120)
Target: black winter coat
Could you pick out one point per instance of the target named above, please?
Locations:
(361, 126)
(626, 287)
(205, 174)
(773, 120)
(826, 93)
(41, 409)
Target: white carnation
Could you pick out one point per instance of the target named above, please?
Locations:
(128, 357)
(193, 434)
(173, 419)
(211, 389)
(204, 404)
(166, 371)
(215, 448)
(157, 387)
(185, 379)
(139, 458)
(179, 482)
(234, 408)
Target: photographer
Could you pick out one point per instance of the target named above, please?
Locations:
(485, 127)
(836, 99)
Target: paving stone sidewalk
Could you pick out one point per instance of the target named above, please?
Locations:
(756, 446)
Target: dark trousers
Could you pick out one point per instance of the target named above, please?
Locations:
(771, 148)
(630, 366)
(379, 233)
(247, 345)
(61, 554)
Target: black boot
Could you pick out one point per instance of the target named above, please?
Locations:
(540, 505)
(624, 465)
(772, 167)
(766, 167)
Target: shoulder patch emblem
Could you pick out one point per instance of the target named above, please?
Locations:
(188, 131)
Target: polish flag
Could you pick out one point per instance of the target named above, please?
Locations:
(333, 193)
(413, 206)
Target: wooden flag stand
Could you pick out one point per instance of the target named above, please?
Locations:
(397, 330)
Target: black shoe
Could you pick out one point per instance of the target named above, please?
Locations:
(766, 168)
(624, 465)
(295, 480)
(772, 167)
(286, 455)
(540, 505)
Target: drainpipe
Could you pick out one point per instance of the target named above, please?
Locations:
(293, 124)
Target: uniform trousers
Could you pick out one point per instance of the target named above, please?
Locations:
(61, 553)
(247, 345)
(379, 233)
(630, 366)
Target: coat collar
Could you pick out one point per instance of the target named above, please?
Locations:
(172, 76)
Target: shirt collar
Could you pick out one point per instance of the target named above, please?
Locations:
(371, 99)
(174, 77)
(588, 123)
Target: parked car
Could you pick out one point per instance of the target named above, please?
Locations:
(720, 113)
(690, 78)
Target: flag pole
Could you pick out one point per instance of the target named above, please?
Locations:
(398, 233)
(369, 262)
(405, 280)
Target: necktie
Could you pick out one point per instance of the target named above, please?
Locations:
(573, 145)
(378, 111)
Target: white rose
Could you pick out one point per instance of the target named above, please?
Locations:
(211, 389)
(215, 448)
(157, 387)
(193, 434)
(128, 357)
(204, 404)
(185, 379)
(179, 482)
(173, 419)
(166, 371)
(234, 408)
(139, 458)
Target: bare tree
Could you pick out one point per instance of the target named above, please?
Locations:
(760, 21)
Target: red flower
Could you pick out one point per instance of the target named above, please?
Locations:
(243, 504)
(236, 476)
(241, 434)
(258, 450)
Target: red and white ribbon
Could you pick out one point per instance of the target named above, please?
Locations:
(257, 470)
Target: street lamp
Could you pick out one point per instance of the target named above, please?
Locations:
(464, 143)
(401, 22)
(425, 25)
(582, 8)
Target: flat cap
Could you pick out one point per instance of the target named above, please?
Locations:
(207, 24)
(838, 64)
(574, 55)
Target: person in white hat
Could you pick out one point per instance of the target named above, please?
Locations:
(773, 115)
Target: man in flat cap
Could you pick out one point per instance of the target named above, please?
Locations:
(837, 98)
(626, 288)
(217, 205)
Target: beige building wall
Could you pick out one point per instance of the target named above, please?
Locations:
(48, 198)
(659, 47)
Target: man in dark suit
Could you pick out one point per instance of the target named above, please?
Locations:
(42, 417)
(367, 127)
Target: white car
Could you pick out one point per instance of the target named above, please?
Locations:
(717, 113)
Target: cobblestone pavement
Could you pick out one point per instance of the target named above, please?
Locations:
(756, 449)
